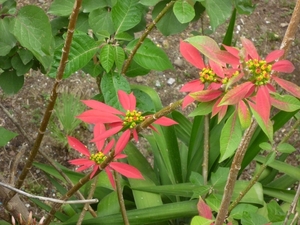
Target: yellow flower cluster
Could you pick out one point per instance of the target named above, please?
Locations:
(207, 76)
(132, 118)
(98, 157)
(260, 71)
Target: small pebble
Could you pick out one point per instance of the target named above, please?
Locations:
(157, 83)
(178, 62)
(171, 81)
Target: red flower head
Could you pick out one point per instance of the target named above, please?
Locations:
(118, 120)
(96, 159)
(211, 74)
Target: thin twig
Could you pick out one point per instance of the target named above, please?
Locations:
(145, 34)
(293, 206)
(85, 208)
(120, 198)
(46, 198)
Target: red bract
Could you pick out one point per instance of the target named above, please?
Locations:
(118, 120)
(211, 74)
(260, 74)
(95, 160)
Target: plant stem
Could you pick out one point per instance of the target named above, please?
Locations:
(53, 97)
(86, 206)
(233, 173)
(206, 150)
(120, 198)
(145, 34)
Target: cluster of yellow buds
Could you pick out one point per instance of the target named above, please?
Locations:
(260, 71)
(98, 157)
(207, 76)
(132, 118)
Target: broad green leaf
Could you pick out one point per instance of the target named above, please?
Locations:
(183, 11)
(124, 36)
(126, 14)
(110, 84)
(196, 178)
(5, 62)
(285, 148)
(32, 29)
(108, 205)
(283, 167)
(275, 213)
(61, 7)
(267, 128)
(10, 82)
(219, 178)
(143, 216)
(101, 20)
(107, 57)
(253, 219)
(135, 69)
(203, 108)
(6, 136)
(207, 46)
(150, 56)
(19, 66)
(7, 40)
(143, 101)
(218, 11)
(8, 7)
(82, 23)
(238, 211)
(25, 55)
(199, 220)
(231, 137)
(286, 103)
(168, 24)
(93, 69)
(90, 5)
(119, 57)
(214, 202)
(265, 146)
(149, 2)
(83, 48)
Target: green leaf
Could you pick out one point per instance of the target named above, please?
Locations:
(61, 7)
(203, 108)
(119, 57)
(7, 40)
(206, 45)
(108, 205)
(90, 5)
(83, 48)
(227, 40)
(5, 62)
(101, 20)
(107, 57)
(214, 201)
(32, 29)
(126, 14)
(199, 220)
(110, 84)
(285, 148)
(149, 2)
(183, 11)
(275, 213)
(135, 69)
(219, 178)
(244, 6)
(168, 24)
(218, 11)
(10, 82)
(283, 167)
(239, 210)
(19, 66)
(6, 136)
(143, 101)
(265, 146)
(253, 219)
(286, 103)
(143, 216)
(25, 55)
(93, 69)
(267, 128)
(150, 56)
(231, 137)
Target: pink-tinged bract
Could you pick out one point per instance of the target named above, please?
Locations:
(206, 95)
(191, 54)
(288, 86)
(263, 103)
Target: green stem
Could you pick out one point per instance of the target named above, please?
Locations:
(145, 34)
(206, 150)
